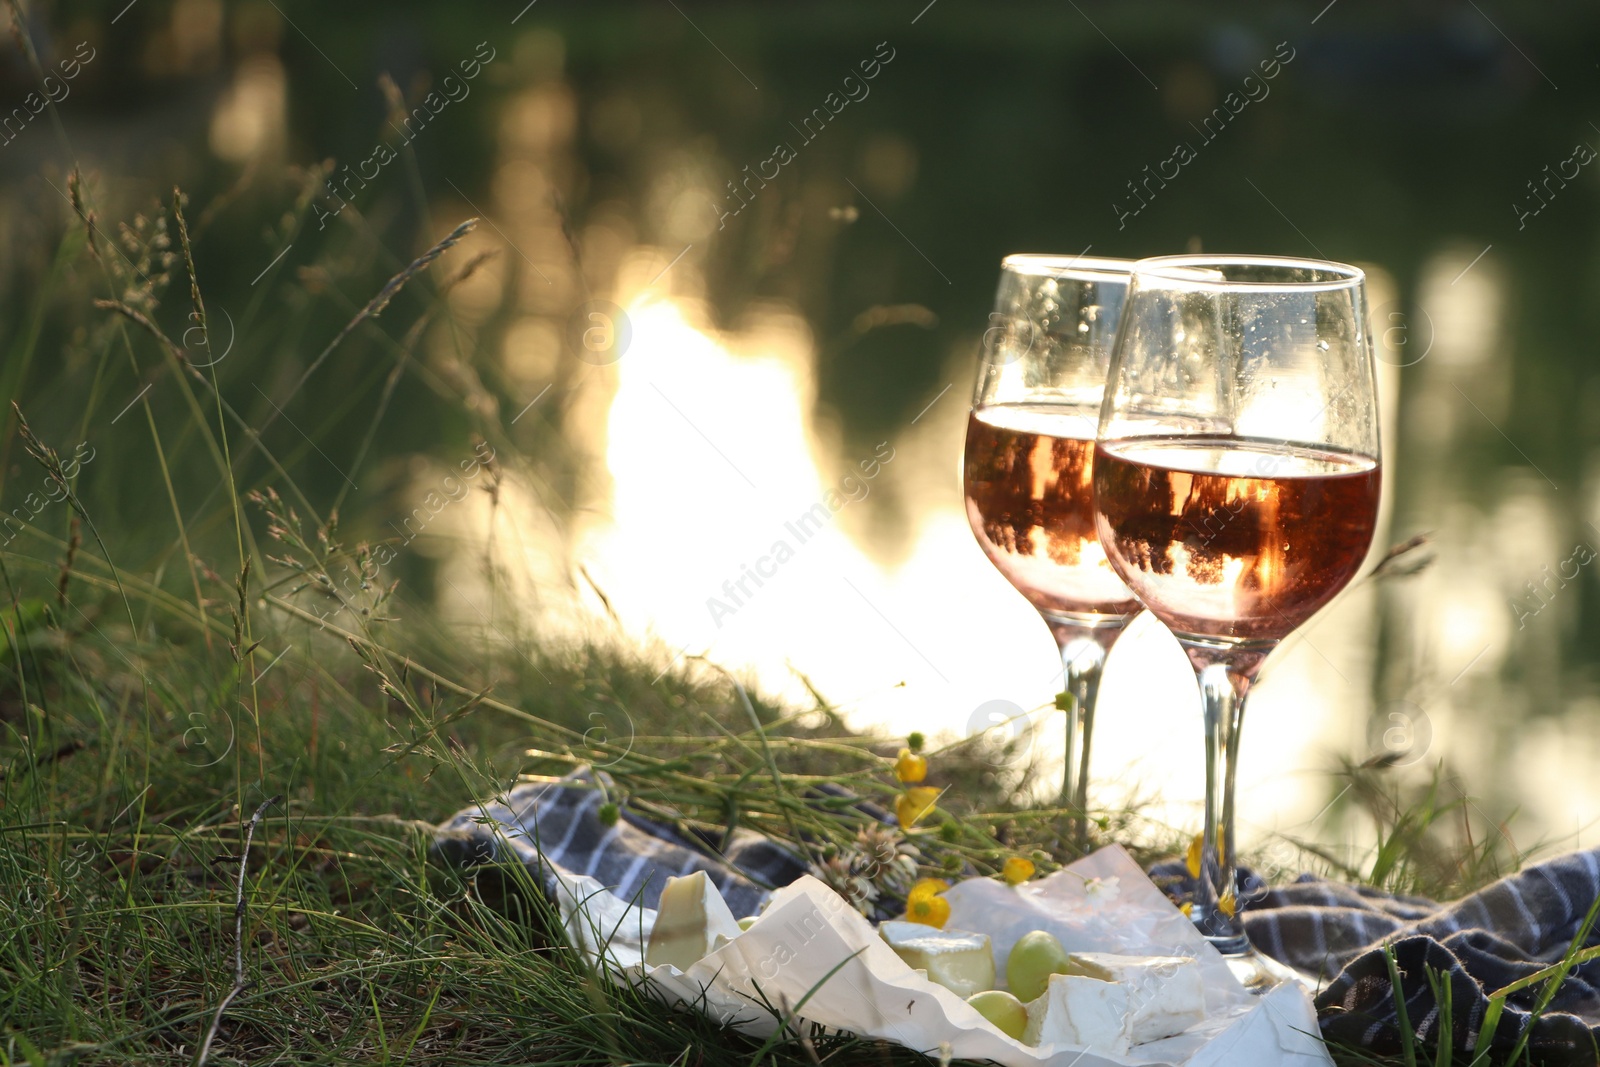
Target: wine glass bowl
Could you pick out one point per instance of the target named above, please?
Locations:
(1236, 482)
(1029, 489)
(1028, 467)
(1051, 331)
(1228, 539)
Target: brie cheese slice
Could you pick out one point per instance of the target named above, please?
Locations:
(1086, 1012)
(692, 921)
(961, 962)
(1166, 994)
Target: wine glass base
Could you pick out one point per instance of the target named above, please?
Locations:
(1259, 973)
(1236, 944)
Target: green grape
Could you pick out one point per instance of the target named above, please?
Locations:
(1031, 963)
(1002, 1009)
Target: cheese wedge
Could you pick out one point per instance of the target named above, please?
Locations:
(961, 962)
(692, 921)
(1166, 994)
(1085, 1012)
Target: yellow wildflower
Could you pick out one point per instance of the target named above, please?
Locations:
(1226, 903)
(1193, 857)
(1017, 870)
(910, 768)
(925, 905)
(913, 804)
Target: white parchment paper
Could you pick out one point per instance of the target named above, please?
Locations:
(813, 957)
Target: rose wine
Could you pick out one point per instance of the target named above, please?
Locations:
(1029, 474)
(1229, 538)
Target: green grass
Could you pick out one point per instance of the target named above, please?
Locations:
(122, 821)
(182, 644)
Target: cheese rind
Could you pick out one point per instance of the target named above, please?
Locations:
(1166, 994)
(961, 962)
(1085, 1012)
(692, 921)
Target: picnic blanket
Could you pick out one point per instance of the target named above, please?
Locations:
(1336, 932)
(557, 822)
(1477, 945)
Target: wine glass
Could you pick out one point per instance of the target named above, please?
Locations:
(1236, 484)
(1029, 463)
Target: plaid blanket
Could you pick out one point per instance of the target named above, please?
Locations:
(1486, 941)
(556, 822)
(1482, 943)
(1329, 930)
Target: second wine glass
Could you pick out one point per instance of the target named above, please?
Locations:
(1028, 471)
(1236, 486)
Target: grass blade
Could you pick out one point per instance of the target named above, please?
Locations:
(1408, 1040)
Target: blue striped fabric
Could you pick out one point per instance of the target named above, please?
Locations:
(556, 822)
(1476, 945)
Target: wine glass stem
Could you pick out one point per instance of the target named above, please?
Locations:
(1084, 660)
(1083, 655)
(1224, 683)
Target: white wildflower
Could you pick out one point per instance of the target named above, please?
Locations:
(1101, 891)
(841, 873)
